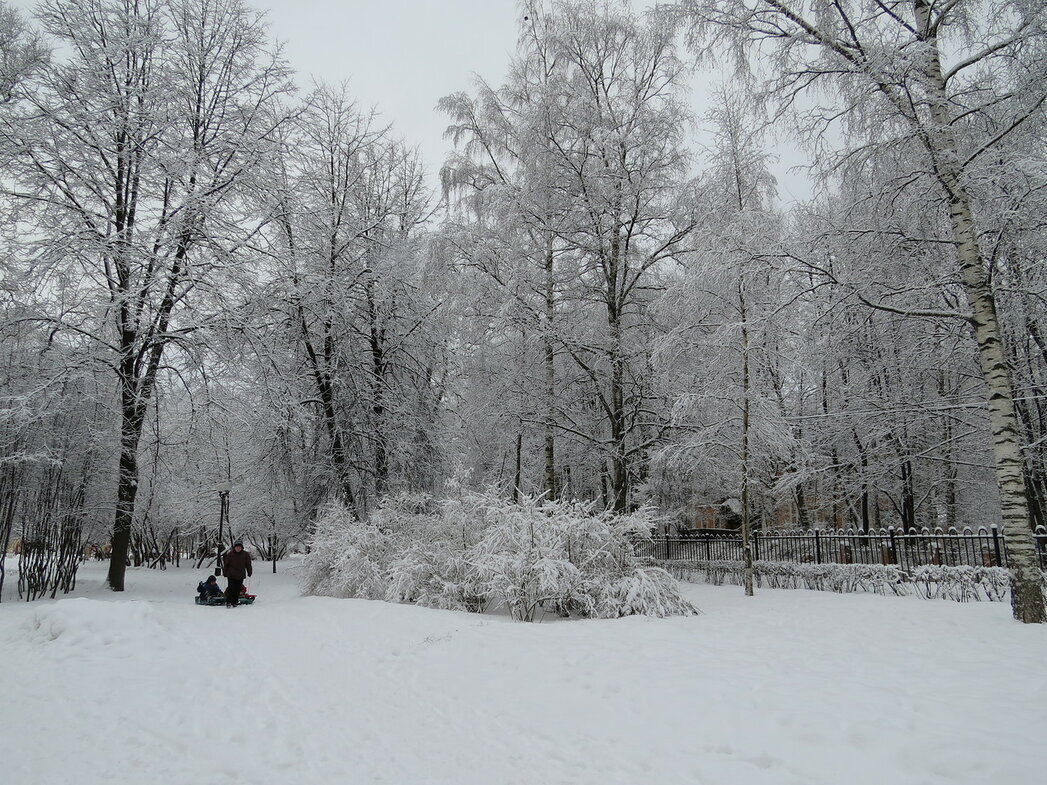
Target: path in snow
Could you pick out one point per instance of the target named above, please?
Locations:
(790, 687)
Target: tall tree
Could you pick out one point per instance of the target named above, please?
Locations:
(728, 291)
(344, 273)
(511, 212)
(584, 144)
(129, 149)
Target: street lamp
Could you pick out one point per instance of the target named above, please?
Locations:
(223, 517)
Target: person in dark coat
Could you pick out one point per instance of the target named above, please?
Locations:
(237, 566)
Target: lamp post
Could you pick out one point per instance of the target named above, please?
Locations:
(223, 517)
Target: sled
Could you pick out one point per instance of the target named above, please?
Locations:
(219, 600)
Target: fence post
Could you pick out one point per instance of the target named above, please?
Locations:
(996, 545)
(817, 547)
(756, 546)
(893, 551)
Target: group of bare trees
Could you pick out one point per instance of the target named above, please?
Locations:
(211, 277)
(570, 198)
(218, 279)
(938, 115)
(345, 307)
(872, 356)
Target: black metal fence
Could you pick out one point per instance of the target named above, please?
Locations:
(983, 547)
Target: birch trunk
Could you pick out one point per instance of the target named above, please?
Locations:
(1027, 602)
(1026, 592)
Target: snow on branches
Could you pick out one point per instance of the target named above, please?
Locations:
(478, 552)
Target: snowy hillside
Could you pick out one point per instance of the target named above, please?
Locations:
(790, 688)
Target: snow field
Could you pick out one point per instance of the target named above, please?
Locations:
(790, 687)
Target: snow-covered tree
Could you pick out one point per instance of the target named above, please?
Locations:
(344, 315)
(128, 149)
(950, 82)
(579, 162)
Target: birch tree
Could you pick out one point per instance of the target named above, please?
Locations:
(728, 422)
(511, 213)
(585, 145)
(952, 81)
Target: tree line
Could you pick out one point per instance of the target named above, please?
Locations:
(210, 275)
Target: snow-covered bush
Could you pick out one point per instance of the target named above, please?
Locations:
(347, 558)
(962, 583)
(647, 591)
(476, 551)
(566, 557)
(878, 578)
(521, 561)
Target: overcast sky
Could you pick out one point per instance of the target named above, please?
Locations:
(402, 56)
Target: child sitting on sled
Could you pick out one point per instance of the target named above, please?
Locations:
(209, 588)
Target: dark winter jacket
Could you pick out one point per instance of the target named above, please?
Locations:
(209, 589)
(237, 565)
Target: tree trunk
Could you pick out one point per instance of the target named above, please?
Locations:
(1027, 601)
(866, 517)
(619, 468)
(339, 454)
(321, 372)
(908, 505)
(803, 516)
(376, 339)
(549, 481)
(835, 486)
(136, 391)
(132, 421)
(518, 471)
(747, 551)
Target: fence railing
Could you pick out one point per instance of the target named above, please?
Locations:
(981, 547)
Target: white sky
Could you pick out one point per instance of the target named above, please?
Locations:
(402, 56)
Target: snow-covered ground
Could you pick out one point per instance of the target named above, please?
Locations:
(790, 687)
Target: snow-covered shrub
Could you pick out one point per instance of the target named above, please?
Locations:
(478, 551)
(432, 567)
(647, 591)
(840, 578)
(347, 557)
(930, 581)
(962, 583)
(571, 559)
(520, 561)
